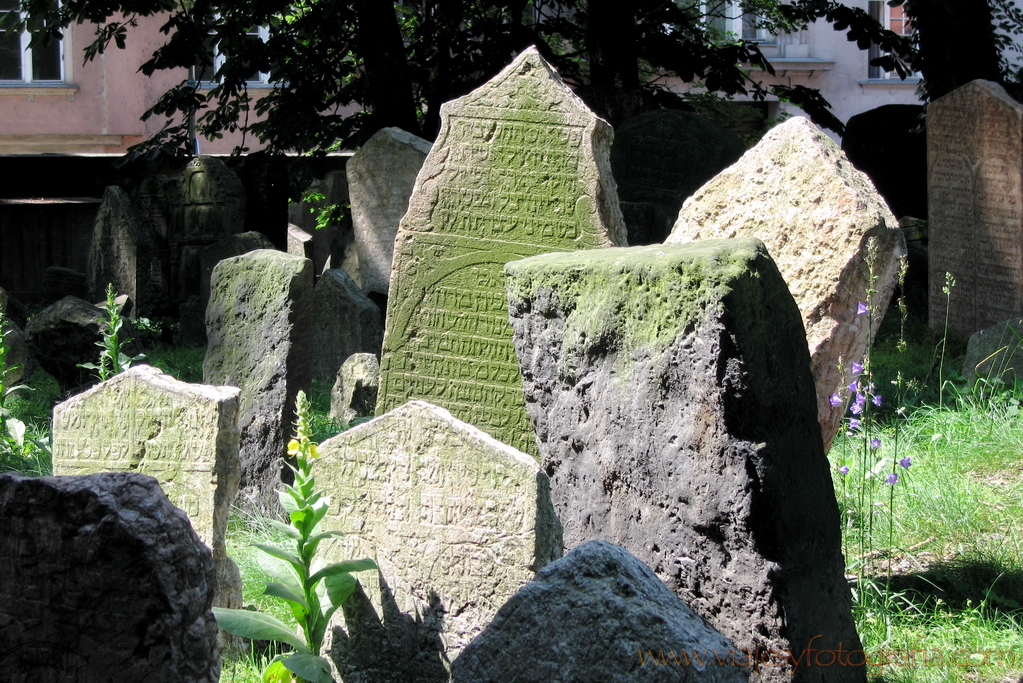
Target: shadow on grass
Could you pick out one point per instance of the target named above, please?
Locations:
(961, 584)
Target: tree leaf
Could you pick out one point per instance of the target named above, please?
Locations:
(310, 667)
(342, 568)
(284, 528)
(257, 626)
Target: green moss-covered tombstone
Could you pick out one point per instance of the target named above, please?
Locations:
(672, 398)
(184, 435)
(259, 326)
(520, 167)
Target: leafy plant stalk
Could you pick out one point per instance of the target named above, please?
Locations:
(313, 593)
(112, 359)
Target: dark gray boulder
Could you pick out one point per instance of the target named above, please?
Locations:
(674, 408)
(102, 579)
(598, 614)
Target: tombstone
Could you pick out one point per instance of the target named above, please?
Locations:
(993, 354)
(235, 245)
(598, 614)
(59, 282)
(12, 308)
(330, 240)
(65, 335)
(888, 143)
(381, 176)
(151, 202)
(519, 168)
(659, 159)
(975, 192)
(185, 435)
(121, 254)
(828, 230)
(259, 325)
(210, 207)
(354, 393)
(456, 521)
(102, 578)
(300, 242)
(345, 321)
(671, 394)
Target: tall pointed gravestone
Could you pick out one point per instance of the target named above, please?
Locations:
(122, 253)
(830, 232)
(975, 207)
(671, 393)
(520, 167)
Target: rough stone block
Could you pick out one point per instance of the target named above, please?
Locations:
(456, 521)
(994, 354)
(354, 393)
(259, 326)
(828, 230)
(345, 321)
(671, 394)
(520, 167)
(102, 579)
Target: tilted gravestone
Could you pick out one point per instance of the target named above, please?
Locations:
(828, 230)
(345, 321)
(659, 159)
(354, 393)
(185, 435)
(598, 614)
(994, 354)
(259, 326)
(102, 578)
(519, 168)
(671, 394)
(381, 176)
(122, 254)
(209, 207)
(975, 207)
(456, 521)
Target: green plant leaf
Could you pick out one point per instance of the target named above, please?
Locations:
(339, 587)
(278, 553)
(326, 534)
(288, 501)
(276, 672)
(16, 428)
(343, 567)
(310, 667)
(284, 528)
(279, 590)
(257, 626)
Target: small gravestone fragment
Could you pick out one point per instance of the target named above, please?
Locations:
(520, 167)
(598, 614)
(671, 394)
(300, 242)
(380, 180)
(994, 354)
(59, 282)
(102, 578)
(975, 207)
(259, 325)
(121, 254)
(345, 321)
(456, 521)
(659, 159)
(354, 394)
(828, 230)
(185, 435)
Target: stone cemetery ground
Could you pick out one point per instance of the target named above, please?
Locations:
(935, 556)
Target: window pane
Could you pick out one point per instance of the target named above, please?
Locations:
(10, 56)
(46, 62)
(9, 4)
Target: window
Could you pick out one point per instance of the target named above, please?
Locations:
(726, 20)
(20, 63)
(260, 33)
(893, 19)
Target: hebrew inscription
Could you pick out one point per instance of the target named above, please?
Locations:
(519, 168)
(975, 187)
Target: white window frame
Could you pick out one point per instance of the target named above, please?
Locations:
(262, 77)
(735, 23)
(27, 77)
(879, 9)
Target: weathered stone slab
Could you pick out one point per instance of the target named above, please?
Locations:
(975, 206)
(354, 393)
(828, 230)
(185, 435)
(381, 176)
(259, 326)
(17, 357)
(345, 321)
(994, 353)
(456, 521)
(121, 253)
(598, 614)
(102, 578)
(300, 242)
(235, 245)
(59, 282)
(662, 157)
(671, 394)
(519, 168)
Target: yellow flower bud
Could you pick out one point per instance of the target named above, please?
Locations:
(293, 447)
